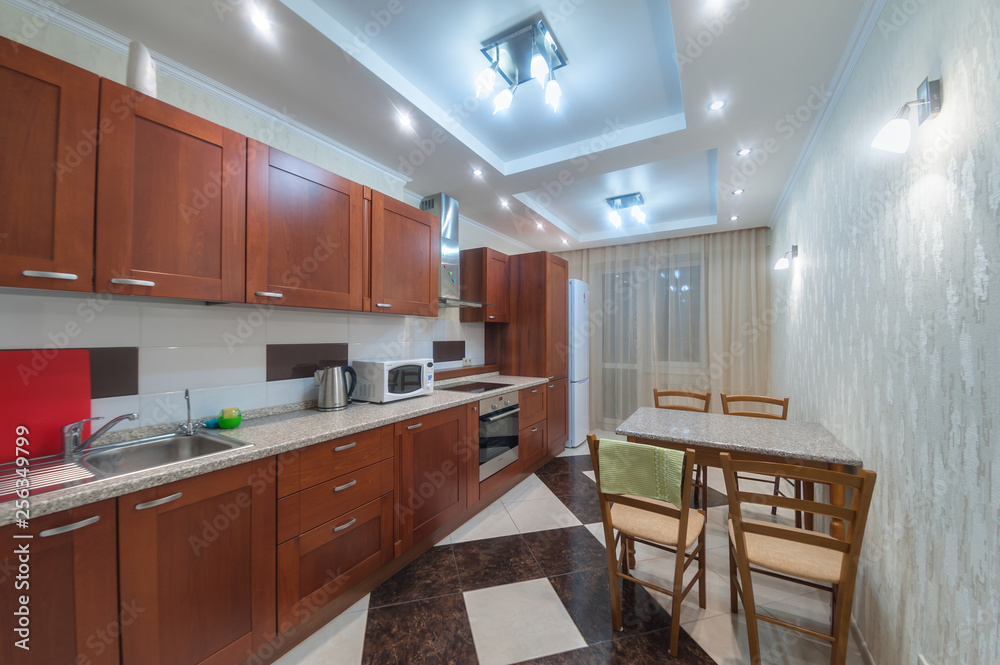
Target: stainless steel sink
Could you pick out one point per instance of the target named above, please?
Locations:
(157, 451)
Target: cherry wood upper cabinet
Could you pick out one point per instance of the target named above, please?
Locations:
(171, 201)
(48, 168)
(537, 340)
(557, 317)
(73, 588)
(405, 258)
(304, 227)
(198, 555)
(485, 278)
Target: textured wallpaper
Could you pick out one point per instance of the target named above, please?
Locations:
(890, 337)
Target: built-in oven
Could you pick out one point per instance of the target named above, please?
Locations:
(497, 433)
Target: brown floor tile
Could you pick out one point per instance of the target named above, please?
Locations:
(566, 464)
(561, 551)
(571, 483)
(576, 657)
(495, 561)
(433, 573)
(650, 649)
(434, 631)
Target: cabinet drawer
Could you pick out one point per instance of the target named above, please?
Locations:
(309, 508)
(532, 403)
(319, 565)
(330, 459)
(531, 444)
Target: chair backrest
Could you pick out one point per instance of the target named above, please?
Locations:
(727, 400)
(856, 515)
(706, 398)
(677, 512)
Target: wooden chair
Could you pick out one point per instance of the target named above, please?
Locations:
(658, 524)
(701, 471)
(806, 557)
(728, 400)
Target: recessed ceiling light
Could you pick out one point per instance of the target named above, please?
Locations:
(541, 227)
(259, 19)
(734, 218)
(404, 120)
(737, 192)
(504, 204)
(717, 105)
(744, 152)
(477, 172)
(565, 242)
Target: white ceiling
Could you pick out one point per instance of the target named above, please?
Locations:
(633, 115)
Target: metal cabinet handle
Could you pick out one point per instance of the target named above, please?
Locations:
(132, 282)
(345, 447)
(415, 426)
(534, 429)
(69, 527)
(344, 487)
(551, 378)
(552, 385)
(270, 294)
(512, 412)
(158, 502)
(48, 275)
(535, 390)
(344, 526)
(492, 316)
(382, 304)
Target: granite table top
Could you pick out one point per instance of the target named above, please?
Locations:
(268, 436)
(781, 438)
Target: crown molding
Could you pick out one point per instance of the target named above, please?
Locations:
(59, 16)
(848, 61)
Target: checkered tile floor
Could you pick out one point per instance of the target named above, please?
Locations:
(525, 582)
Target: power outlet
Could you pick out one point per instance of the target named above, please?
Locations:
(921, 660)
(466, 362)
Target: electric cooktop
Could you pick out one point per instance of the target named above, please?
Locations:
(476, 387)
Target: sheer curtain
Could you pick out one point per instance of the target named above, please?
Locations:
(686, 313)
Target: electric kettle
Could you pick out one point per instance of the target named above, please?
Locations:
(333, 391)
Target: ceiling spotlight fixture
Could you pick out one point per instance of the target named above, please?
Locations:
(541, 227)
(737, 192)
(895, 135)
(786, 260)
(632, 202)
(525, 52)
(565, 242)
(404, 120)
(734, 218)
(477, 172)
(259, 19)
(504, 203)
(743, 152)
(717, 105)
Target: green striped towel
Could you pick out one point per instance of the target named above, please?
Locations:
(641, 470)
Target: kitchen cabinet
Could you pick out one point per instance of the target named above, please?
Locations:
(405, 258)
(171, 201)
(432, 456)
(72, 584)
(532, 444)
(536, 342)
(557, 414)
(198, 556)
(48, 166)
(532, 403)
(485, 278)
(304, 233)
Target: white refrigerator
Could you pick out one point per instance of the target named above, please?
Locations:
(579, 362)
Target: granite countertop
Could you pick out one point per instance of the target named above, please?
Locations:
(781, 438)
(269, 436)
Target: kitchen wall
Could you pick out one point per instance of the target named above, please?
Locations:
(888, 335)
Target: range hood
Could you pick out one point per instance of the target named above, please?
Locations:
(445, 208)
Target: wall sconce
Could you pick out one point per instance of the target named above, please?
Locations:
(785, 261)
(895, 136)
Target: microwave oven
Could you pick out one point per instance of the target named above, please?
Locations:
(390, 380)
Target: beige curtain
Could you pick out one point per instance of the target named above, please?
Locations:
(687, 314)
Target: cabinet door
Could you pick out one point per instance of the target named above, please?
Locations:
(406, 258)
(532, 403)
(433, 463)
(304, 230)
(532, 444)
(72, 585)
(557, 316)
(48, 170)
(497, 280)
(198, 556)
(557, 414)
(171, 202)
(322, 563)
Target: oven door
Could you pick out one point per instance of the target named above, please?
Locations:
(497, 441)
(404, 380)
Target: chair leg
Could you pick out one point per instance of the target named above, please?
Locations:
(631, 553)
(733, 605)
(702, 601)
(798, 495)
(777, 491)
(749, 608)
(841, 628)
(616, 595)
(675, 614)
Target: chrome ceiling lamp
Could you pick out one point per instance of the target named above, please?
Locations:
(633, 201)
(525, 52)
(895, 135)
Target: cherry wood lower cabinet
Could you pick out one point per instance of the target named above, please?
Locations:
(198, 557)
(532, 444)
(557, 414)
(532, 403)
(432, 457)
(72, 585)
(48, 166)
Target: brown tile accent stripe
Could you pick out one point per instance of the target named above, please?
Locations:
(114, 372)
(298, 361)
(449, 351)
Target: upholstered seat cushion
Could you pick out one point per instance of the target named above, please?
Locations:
(656, 528)
(791, 558)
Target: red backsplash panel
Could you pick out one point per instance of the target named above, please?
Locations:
(42, 389)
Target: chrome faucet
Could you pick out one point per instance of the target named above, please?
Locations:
(189, 428)
(73, 432)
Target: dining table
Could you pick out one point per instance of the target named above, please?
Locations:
(760, 439)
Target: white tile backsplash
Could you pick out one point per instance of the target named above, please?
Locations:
(291, 391)
(163, 369)
(36, 319)
(296, 326)
(181, 324)
(112, 407)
